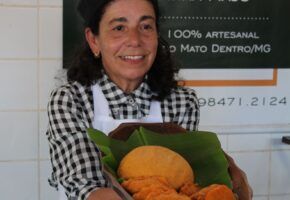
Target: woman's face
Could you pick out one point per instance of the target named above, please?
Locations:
(128, 41)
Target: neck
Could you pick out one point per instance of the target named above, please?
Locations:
(127, 86)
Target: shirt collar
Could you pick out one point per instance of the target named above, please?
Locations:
(116, 97)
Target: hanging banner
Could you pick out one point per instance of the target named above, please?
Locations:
(227, 33)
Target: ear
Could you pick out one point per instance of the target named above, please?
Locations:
(92, 41)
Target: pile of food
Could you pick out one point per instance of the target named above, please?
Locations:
(158, 173)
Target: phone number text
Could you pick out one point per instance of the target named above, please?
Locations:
(243, 101)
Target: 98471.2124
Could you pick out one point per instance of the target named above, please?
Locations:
(243, 101)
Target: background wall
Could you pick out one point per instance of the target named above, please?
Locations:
(30, 58)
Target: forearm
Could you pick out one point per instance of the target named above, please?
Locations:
(78, 169)
(240, 182)
(104, 193)
(75, 159)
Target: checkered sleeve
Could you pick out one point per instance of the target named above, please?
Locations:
(182, 108)
(190, 119)
(75, 159)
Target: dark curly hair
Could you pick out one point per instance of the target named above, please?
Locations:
(86, 69)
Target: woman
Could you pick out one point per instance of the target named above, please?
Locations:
(124, 74)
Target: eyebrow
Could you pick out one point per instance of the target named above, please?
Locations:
(124, 19)
(145, 17)
(119, 19)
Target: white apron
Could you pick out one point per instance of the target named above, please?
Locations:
(105, 123)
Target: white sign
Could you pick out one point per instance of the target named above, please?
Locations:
(242, 100)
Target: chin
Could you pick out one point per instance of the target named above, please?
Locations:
(135, 78)
(135, 75)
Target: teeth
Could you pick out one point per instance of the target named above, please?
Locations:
(132, 57)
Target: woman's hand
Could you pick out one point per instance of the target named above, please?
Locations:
(104, 194)
(239, 179)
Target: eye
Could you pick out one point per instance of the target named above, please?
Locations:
(147, 27)
(119, 28)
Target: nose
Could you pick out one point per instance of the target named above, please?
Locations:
(134, 38)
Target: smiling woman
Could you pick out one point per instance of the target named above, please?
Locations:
(123, 73)
(127, 42)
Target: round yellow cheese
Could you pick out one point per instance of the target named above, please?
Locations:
(156, 161)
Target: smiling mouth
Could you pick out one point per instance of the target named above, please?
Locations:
(132, 58)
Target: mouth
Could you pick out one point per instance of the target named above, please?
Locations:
(132, 58)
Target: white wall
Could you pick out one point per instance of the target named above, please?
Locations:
(30, 57)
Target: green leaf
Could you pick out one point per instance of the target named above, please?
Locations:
(201, 149)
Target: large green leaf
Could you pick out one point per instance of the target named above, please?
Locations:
(201, 149)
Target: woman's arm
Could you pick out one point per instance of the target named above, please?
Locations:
(240, 182)
(104, 193)
(75, 159)
(182, 108)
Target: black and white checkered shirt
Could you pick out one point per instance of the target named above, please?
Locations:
(75, 159)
